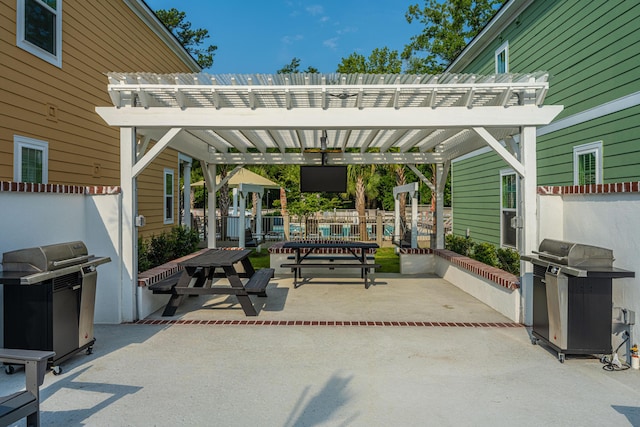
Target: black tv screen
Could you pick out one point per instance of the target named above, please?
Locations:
(323, 179)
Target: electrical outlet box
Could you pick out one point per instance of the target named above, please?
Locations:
(140, 221)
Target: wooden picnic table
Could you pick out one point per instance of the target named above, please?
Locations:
(198, 274)
(311, 255)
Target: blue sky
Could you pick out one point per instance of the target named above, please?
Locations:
(262, 36)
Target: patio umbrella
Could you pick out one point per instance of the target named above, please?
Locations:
(243, 176)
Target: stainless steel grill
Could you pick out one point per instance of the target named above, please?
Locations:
(574, 259)
(572, 296)
(49, 298)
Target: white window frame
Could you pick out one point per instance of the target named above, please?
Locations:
(504, 173)
(166, 196)
(579, 150)
(55, 59)
(503, 48)
(20, 142)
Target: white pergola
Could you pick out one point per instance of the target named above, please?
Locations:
(368, 119)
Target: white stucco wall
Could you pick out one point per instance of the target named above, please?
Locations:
(102, 237)
(608, 220)
(36, 219)
(501, 299)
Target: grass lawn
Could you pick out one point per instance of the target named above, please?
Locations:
(386, 257)
(388, 260)
(260, 260)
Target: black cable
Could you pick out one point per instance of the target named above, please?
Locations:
(609, 366)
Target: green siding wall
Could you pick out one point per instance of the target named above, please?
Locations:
(475, 200)
(591, 50)
(621, 148)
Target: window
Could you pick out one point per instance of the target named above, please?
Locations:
(30, 160)
(508, 207)
(502, 59)
(168, 196)
(587, 164)
(39, 29)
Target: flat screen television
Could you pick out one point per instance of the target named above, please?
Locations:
(323, 179)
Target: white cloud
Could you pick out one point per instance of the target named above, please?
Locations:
(346, 30)
(315, 9)
(331, 43)
(291, 39)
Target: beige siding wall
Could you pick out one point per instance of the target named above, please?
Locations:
(97, 37)
(151, 194)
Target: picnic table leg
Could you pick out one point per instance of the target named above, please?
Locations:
(295, 270)
(176, 299)
(241, 293)
(248, 267)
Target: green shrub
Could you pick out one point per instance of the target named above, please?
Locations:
(509, 260)
(157, 250)
(485, 253)
(503, 258)
(143, 255)
(458, 244)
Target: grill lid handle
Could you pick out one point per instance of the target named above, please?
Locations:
(551, 256)
(70, 261)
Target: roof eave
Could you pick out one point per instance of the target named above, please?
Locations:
(502, 19)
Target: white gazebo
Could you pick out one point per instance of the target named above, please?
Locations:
(243, 182)
(368, 119)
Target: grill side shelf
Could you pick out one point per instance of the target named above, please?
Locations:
(32, 279)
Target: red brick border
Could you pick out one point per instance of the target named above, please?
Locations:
(415, 251)
(326, 323)
(277, 248)
(28, 187)
(613, 188)
(494, 274)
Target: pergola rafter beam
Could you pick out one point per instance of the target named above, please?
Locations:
(332, 118)
(332, 159)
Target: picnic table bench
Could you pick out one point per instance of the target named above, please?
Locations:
(24, 403)
(354, 253)
(198, 273)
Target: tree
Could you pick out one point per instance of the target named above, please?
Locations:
(381, 61)
(362, 182)
(190, 39)
(401, 179)
(294, 67)
(448, 27)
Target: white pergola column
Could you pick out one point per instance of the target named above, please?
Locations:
(129, 250)
(414, 218)
(243, 191)
(259, 217)
(186, 192)
(241, 218)
(396, 219)
(234, 192)
(212, 229)
(398, 192)
(528, 212)
(442, 171)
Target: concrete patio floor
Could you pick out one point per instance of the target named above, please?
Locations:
(432, 356)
